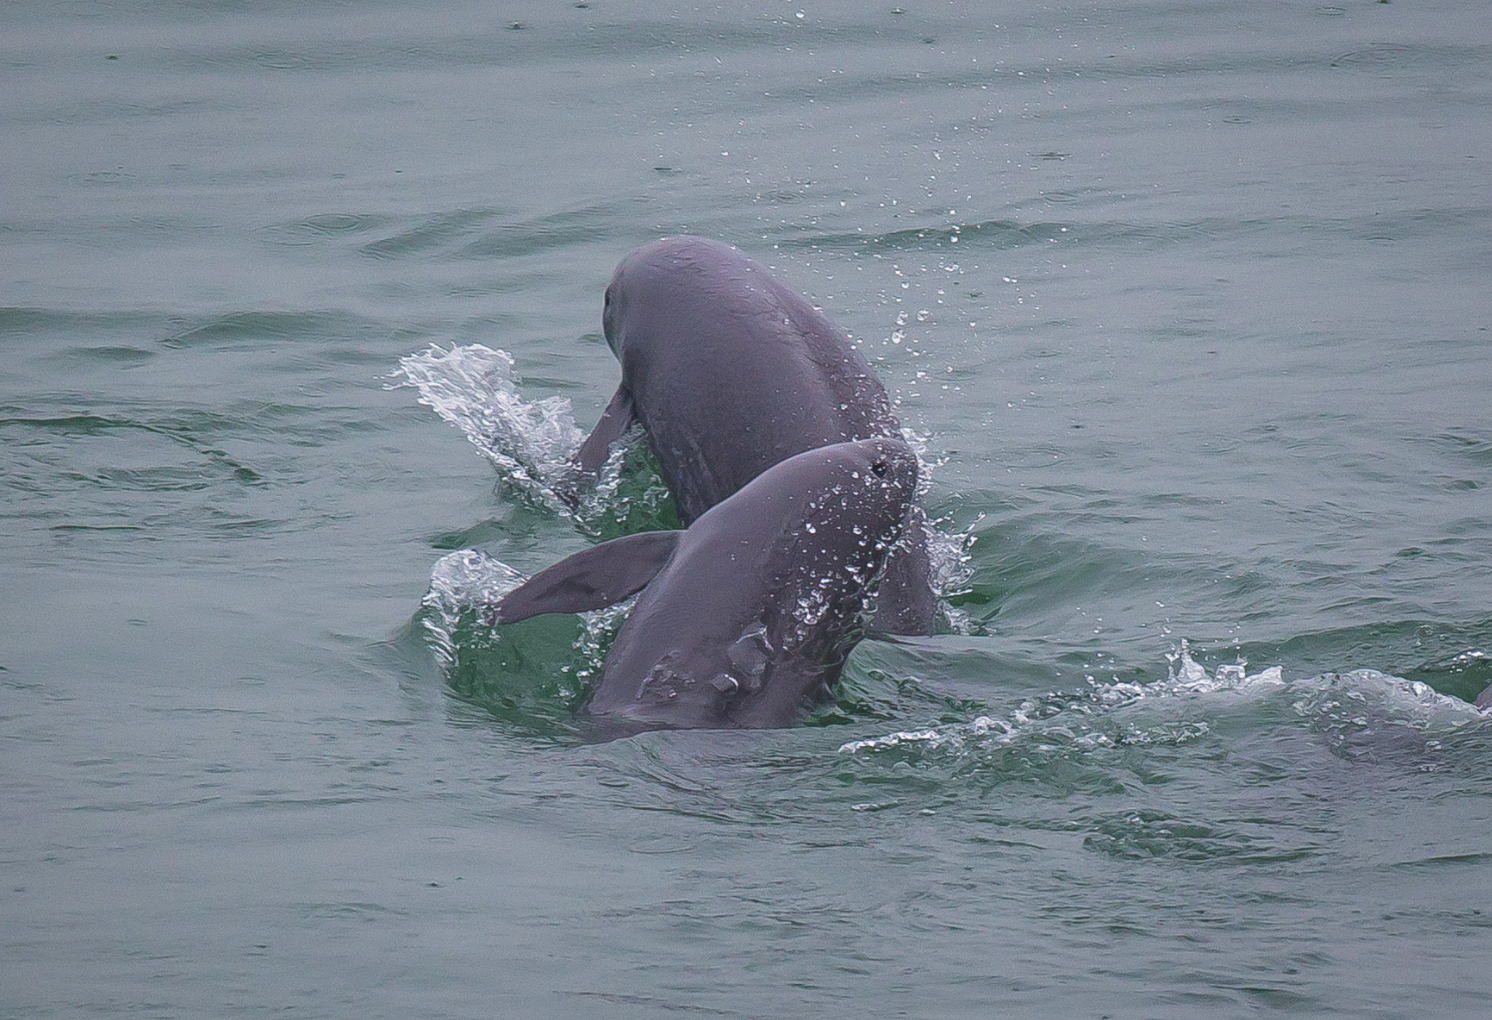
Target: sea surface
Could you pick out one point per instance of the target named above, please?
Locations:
(1188, 304)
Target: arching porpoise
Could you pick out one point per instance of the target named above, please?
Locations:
(746, 618)
(729, 372)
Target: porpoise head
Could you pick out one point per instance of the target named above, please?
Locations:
(750, 622)
(746, 619)
(664, 277)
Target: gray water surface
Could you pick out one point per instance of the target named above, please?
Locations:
(1189, 300)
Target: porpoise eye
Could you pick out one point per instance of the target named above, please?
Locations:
(880, 469)
(608, 297)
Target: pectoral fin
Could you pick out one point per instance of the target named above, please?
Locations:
(594, 578)
(619, 416)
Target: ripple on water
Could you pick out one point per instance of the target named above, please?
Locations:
(324, 228)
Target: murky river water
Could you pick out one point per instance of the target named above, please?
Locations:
(1190, 302)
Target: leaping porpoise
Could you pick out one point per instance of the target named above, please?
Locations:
(746, 618)
(729, 372)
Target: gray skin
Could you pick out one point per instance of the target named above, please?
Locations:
(746, 618)
(729, 372)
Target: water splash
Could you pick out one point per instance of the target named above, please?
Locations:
(531, 444)
(1349, 709)
(475, 388)
(629, 495)
(949, 553)
(533, 674)
(460, 583)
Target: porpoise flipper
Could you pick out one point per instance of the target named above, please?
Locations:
(907, 603)
(585, 464)
(594, 578)
(619, 416)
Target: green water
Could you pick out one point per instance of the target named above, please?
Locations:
(1188, 300)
